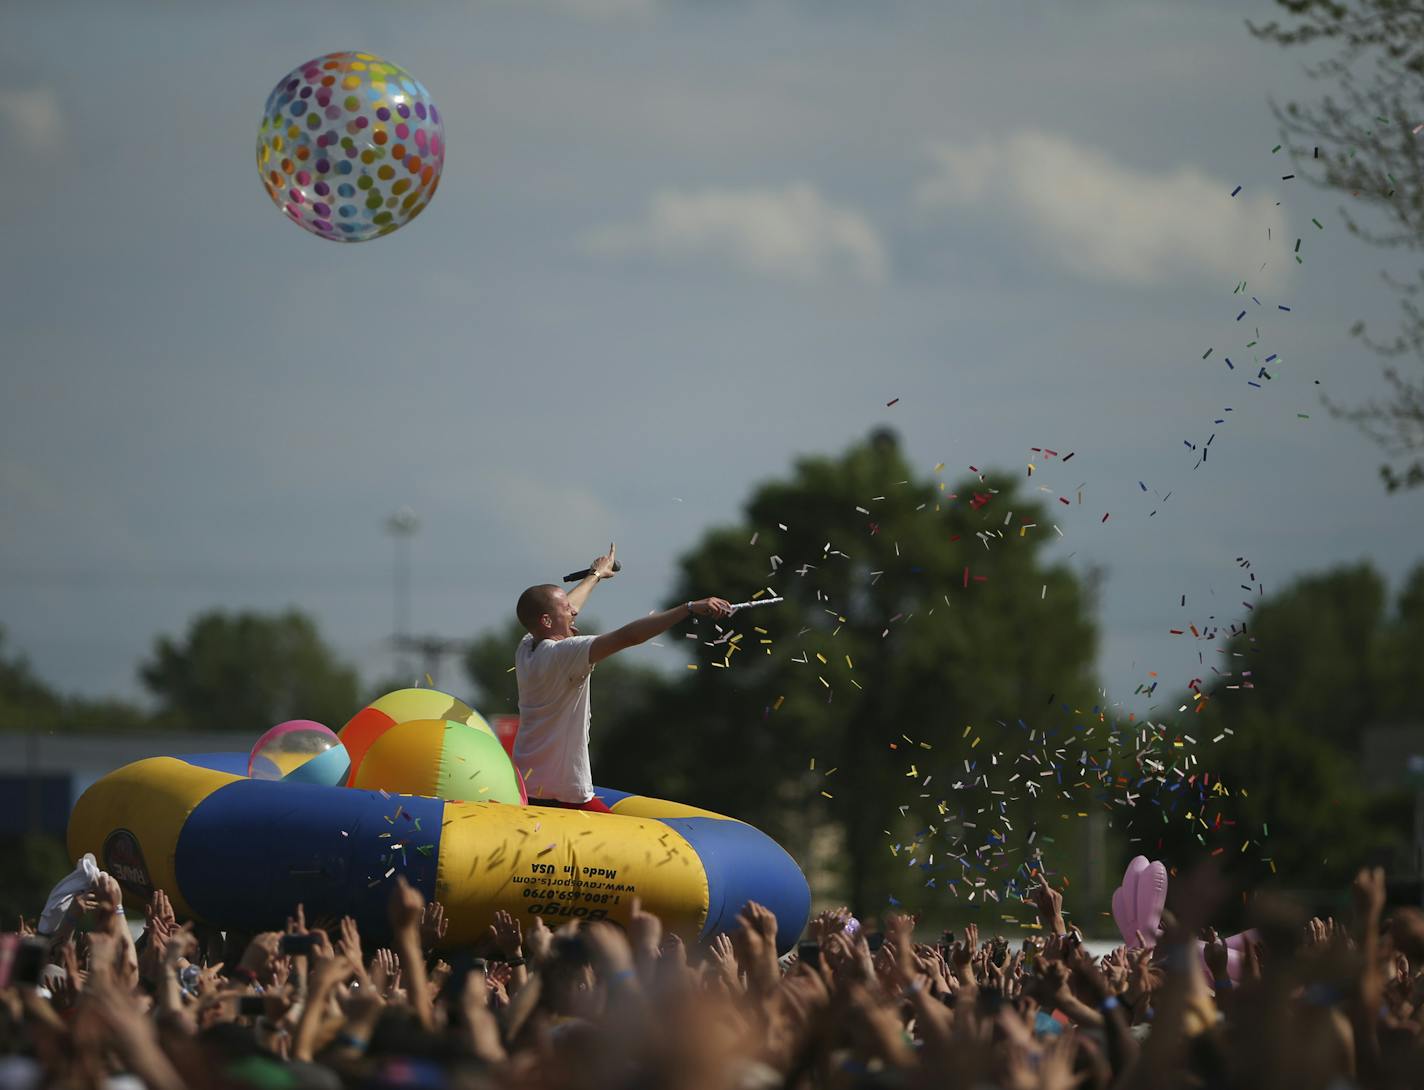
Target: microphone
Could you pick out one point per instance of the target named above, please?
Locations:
(579, 576)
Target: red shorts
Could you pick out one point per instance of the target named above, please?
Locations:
(594, 805)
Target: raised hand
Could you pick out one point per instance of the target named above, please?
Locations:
(538, 939)
(971, 937)
(899, 924)
(210, 980)
(645, 932)
(406, 906)
(1090, 978)
(1142, 978)
(931, 963)
(608, 948)
(755, 944)
(722, 961)
(507, 934)
(349, 944)
(765, 922)
(151, 961)
(1368, 889)
(161, 909)
(384, 972)
(109, 898)
(433, 925)
(181, 944)
(830, 922)
(603, 565)
(1049, 903)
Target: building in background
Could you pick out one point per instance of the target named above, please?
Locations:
(41, 775)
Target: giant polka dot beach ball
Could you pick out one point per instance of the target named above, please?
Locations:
(350, 147)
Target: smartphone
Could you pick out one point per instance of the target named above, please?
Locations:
(809, 953)
(1001, 954)
(22, 960)
(300, 945)
(251, 1006)
(875, 940)
(946, 944)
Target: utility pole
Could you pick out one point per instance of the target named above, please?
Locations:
(402, 527)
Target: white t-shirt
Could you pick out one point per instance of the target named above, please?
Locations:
(551, 748)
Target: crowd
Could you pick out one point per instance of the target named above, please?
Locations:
(1316, 1003)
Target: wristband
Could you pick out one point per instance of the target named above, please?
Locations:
(1111, 1003)
(623, 974)
(689, 609)
(350, 1040)
(1224, 984)
(515, 963)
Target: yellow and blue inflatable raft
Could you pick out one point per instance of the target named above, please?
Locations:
(241, 853)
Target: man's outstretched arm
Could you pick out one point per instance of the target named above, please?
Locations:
(599, 570)
(645, 628)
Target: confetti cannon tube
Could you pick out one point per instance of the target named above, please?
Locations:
(242, 853)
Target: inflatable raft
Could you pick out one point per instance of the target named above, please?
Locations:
(241, 853)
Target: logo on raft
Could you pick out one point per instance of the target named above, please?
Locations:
(124, 860)
(553, 908)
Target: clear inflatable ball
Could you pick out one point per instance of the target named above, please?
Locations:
(300, 750)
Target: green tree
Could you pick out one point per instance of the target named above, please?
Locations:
(1319, 662)
(247, 672)
(34, 865)
(27, 703)
(1362, 142)
(913, 614)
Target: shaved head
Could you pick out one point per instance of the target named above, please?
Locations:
(535, 603)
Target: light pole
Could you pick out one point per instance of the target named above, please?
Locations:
(402, 527)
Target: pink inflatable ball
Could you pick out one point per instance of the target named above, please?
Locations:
(289, 746)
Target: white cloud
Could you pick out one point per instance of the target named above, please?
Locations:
(791, 233)
(34, 116)
(1105, 219)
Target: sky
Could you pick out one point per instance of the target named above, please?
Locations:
(676, 246)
